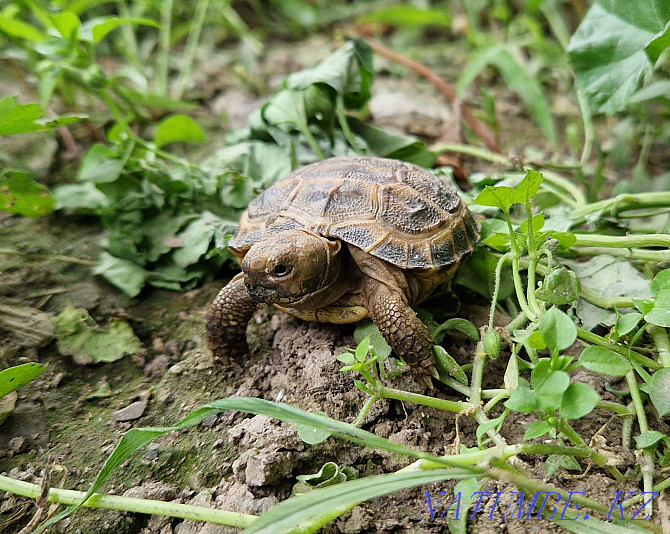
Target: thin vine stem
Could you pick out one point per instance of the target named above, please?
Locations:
(128, 504)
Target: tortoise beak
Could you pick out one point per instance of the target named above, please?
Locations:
(265, 295)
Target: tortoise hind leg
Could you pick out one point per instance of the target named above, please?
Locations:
(227, 319)
(402, 329)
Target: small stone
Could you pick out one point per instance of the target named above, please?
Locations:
(130, 412)
(17, 444)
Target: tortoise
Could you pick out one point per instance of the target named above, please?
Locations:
(344, 239)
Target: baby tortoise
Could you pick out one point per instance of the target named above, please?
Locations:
(344, 239)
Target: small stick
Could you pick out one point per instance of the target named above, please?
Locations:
(478, 127)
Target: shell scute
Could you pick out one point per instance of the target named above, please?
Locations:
(393, 210)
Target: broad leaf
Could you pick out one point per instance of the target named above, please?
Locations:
(15, 377)
(659, 391)
(19, 193)
(178, 128)
(615, 47)
(80, 337)
(604, 361)
(16, 118)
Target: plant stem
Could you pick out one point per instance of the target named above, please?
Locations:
(191, 48)
(624, 202)
(129, 40)
(424, 400)
(662, 344)
(456, 385)
(647, 466)
(605, 302)
(614, 407)
(163, 58)
(470, 150)
(533, 486)
(533, 257)
(628, 241)
(496, 288)
(628, 253)
(365, 409)
(128, 504)
(57, 257)
(587, 120)
(565, 427)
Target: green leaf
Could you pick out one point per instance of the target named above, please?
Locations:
(660, 281)
(362, 349)
(549, 385)
(505, 197)
(578, 401)
(96, 29)
(488, 425)
(478, 274)
(407, 16)
(611, 277)
(447, 366)
(80, 337)
(516, 78)
(604, 361)
(522, 399)
(347, 358)
(649, 439)
(557, 329)
(537, 224)
(67, 24)
(655, 48)
(19, 193)
(626, 323)
(16, 118)
(311, 435)
(84, 197)
(393, 145)
(328, 475)
(659, 391)
(461, 325)
(196, 238)
(537, 429)
(16, 28)
(609, 50)
(659, 314)
(551, 465)
(369, 329)
(154, 101)
(178, 128)
(348, 70)
(100, 165)
(15, 377)
(128, 276)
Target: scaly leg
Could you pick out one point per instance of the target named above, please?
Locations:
(402, 329)
(227, 319)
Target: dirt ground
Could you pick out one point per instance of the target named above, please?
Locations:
(234, 461)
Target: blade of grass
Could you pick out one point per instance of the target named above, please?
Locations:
(339, 498)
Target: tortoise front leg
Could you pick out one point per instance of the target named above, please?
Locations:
(227, 319)
(402, 329)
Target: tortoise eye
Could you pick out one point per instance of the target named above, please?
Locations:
(281, 270)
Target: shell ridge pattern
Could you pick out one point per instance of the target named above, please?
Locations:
(394, 210)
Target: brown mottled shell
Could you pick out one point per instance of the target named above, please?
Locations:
(393, 210)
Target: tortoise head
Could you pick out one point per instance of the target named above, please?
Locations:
(287, 267)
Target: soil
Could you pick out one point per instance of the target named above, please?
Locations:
(233, 461)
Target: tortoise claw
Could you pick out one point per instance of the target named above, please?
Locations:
(427, 381)
(432, 370)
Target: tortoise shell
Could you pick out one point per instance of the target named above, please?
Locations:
(391, 209)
